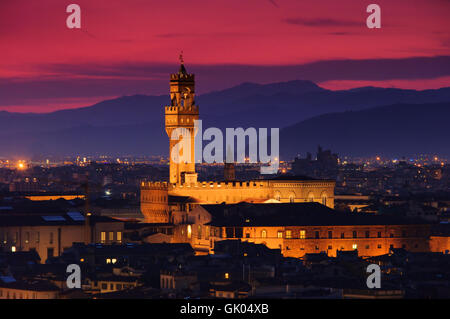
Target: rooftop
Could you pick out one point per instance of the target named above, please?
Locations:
(294, 214)
(36, 285)
(70, 218)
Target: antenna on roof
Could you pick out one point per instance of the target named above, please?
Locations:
(181, 57)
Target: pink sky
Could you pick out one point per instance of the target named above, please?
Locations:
(46, 66)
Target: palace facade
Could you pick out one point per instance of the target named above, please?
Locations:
(301, 228)
(292, 213)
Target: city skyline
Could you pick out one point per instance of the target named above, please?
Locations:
(221, 157)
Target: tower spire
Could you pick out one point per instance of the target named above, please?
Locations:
(182, 68)
(181, 57)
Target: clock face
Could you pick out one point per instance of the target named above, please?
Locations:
(186, 92)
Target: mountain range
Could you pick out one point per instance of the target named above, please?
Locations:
(362, 121)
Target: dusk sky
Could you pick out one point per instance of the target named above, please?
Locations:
(129, 47)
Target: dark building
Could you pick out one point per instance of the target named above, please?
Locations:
(324, 166)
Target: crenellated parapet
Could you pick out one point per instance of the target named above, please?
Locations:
(193, 109)
(254, 184)
(228, 185)
(181, 76)
(155, 186)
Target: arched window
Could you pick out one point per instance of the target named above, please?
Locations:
(324, 198)
(310, 197)
(263, 233)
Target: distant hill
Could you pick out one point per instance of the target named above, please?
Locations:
(396, 130)
(134, 124)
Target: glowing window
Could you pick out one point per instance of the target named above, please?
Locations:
(302, 234)
(355, 246)
(264, 234)
(288, 234)
(280, 234)
(189, 231)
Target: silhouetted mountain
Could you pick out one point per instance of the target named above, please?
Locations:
(396, 130)
(127, 110)
(135, 125)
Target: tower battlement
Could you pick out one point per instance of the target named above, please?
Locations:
(154, 185)
(204, 184)
(182, 77)
(193, 109)
(210, 184)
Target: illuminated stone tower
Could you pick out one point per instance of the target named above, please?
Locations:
(163, 202)
(181, 114)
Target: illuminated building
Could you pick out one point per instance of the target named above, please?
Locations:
(300, 228)
(156, 205)
(49, 235)
(291, 213)
(29, 290)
